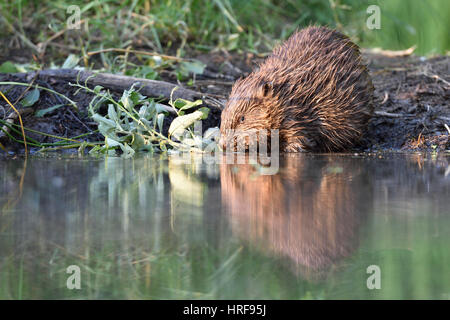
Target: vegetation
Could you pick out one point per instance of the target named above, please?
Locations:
(178, 26)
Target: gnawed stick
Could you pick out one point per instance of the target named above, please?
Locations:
(149, 88)
(391, 115)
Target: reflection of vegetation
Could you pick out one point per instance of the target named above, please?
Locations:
(414, 263)
(125, 241)
(134, 235)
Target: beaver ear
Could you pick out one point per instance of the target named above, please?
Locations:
(267, 88)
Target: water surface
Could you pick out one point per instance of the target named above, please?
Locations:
(154, 228)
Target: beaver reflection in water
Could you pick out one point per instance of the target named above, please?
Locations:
(314, 89)
(310, 212)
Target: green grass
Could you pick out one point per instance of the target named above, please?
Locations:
(403, 25)
(178, 26)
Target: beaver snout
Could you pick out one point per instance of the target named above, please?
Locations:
(237, 143)
(222, 143)
(227, 142)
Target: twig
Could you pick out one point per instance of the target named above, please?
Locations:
(213, 75)
(149, 88)
(73, 103)
(45, 134)
(436, 77)
(386, 97)
(91, 53)
(391, 115)
(446, 127)
(391, 53)
(71, 146)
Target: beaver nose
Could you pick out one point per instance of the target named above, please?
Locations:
(222, 143)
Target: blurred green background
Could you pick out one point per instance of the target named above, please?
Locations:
(253, 25)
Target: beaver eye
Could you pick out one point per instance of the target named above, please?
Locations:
(242, 119)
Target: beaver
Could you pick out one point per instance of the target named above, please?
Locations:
(314, 89)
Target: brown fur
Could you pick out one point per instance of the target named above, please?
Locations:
(313, 88)
(306, 212)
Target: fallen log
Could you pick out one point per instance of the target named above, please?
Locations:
(149, 88)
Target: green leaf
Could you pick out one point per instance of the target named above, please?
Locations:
(112, 114)
(95, 150)
(143, 111)
(131, 98)
(162, 146)
(195, 67)
(30, 98)
(43, 112)
(179, 124)
(147, 73)
(126, 123)
(99, 119)
(105, 130)
(106, 126)
(8, 67)
(97, 89)
(146, 124)
(138, 141)
(71, 62)
(160, 107)
(205, 112)
(152, 110)
(126, 100)
(113, 143)
(147, 147)
(186, 68)
(183, 104)
(136, 97)
(128, 152)
(160, 120)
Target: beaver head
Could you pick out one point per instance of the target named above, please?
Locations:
(248, 111)
(257, 106)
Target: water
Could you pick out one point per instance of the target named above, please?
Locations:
(151, 228)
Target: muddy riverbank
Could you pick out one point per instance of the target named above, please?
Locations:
(412, 111)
